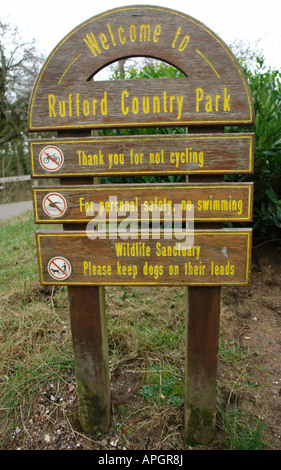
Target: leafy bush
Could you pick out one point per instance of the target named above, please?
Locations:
(265, 86)
(266, 90)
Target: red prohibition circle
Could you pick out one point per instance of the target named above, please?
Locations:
(54, 267)
(51, 158)
(48, 201)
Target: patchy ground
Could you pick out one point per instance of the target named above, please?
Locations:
(251, 314)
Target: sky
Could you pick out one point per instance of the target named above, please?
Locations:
(255, 22)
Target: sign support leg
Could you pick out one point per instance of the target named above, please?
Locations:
(202, 343)
(89, 337)
(202, 337)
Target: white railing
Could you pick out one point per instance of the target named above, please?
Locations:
(12, 179)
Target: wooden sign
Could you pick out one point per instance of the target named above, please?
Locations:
(158, 154)
(213, 91)
(187, 201)
(216, 257)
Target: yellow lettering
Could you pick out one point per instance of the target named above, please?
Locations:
(133, 32)
(156, 104)
(86, 108)
(135, 105)
(165, 101)
(157, 32)
(92, 43)
(62, 108)
(111, 34)
(194, 269)
(184, 43)
(174, 270)
(153, 270)
(85, 267)
(211, 101)
(180, 103)
(124, 94)
(130, 270)
(136, 158)
(176, 37)
(217, 102)
(77, 101)
(199, 97)
(171, 103)
(209, 104)
(226, 106)
(222, 270)
(144, 32)
(145, 104)
(70, 104)
(122, 39)
(52, 102)
(90, 269)
(94, 106)
(104, 41)
(104, 104)
(81, 203)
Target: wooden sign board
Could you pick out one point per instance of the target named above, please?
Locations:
(139, 103)
(157, 155)
(213, 91)
(203, 202)
(216, 257)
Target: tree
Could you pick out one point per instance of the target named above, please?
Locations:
(19, 64)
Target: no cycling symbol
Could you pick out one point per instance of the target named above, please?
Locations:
(51, 158)
(59, 268)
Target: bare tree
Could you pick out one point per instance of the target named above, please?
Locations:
(19, 65)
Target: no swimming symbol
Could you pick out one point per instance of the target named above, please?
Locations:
(54, 205)
(59, 268)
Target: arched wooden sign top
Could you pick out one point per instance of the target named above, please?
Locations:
(213, 92)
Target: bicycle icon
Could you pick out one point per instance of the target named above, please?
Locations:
(51, 158)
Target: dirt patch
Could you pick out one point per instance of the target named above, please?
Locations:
(255, 314)
(250, 317)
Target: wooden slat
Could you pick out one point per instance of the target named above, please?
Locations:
(199, 202)
(216, 257)
(143, 155)
(141, 103)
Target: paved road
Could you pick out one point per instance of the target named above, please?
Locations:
(14, 208)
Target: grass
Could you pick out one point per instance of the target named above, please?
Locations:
(163, 386)
(146, 342)
(242, 432)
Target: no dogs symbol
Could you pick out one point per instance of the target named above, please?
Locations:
(54, 205)
(59, 268)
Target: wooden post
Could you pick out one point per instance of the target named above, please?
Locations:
(89, 337)
(202, 343)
